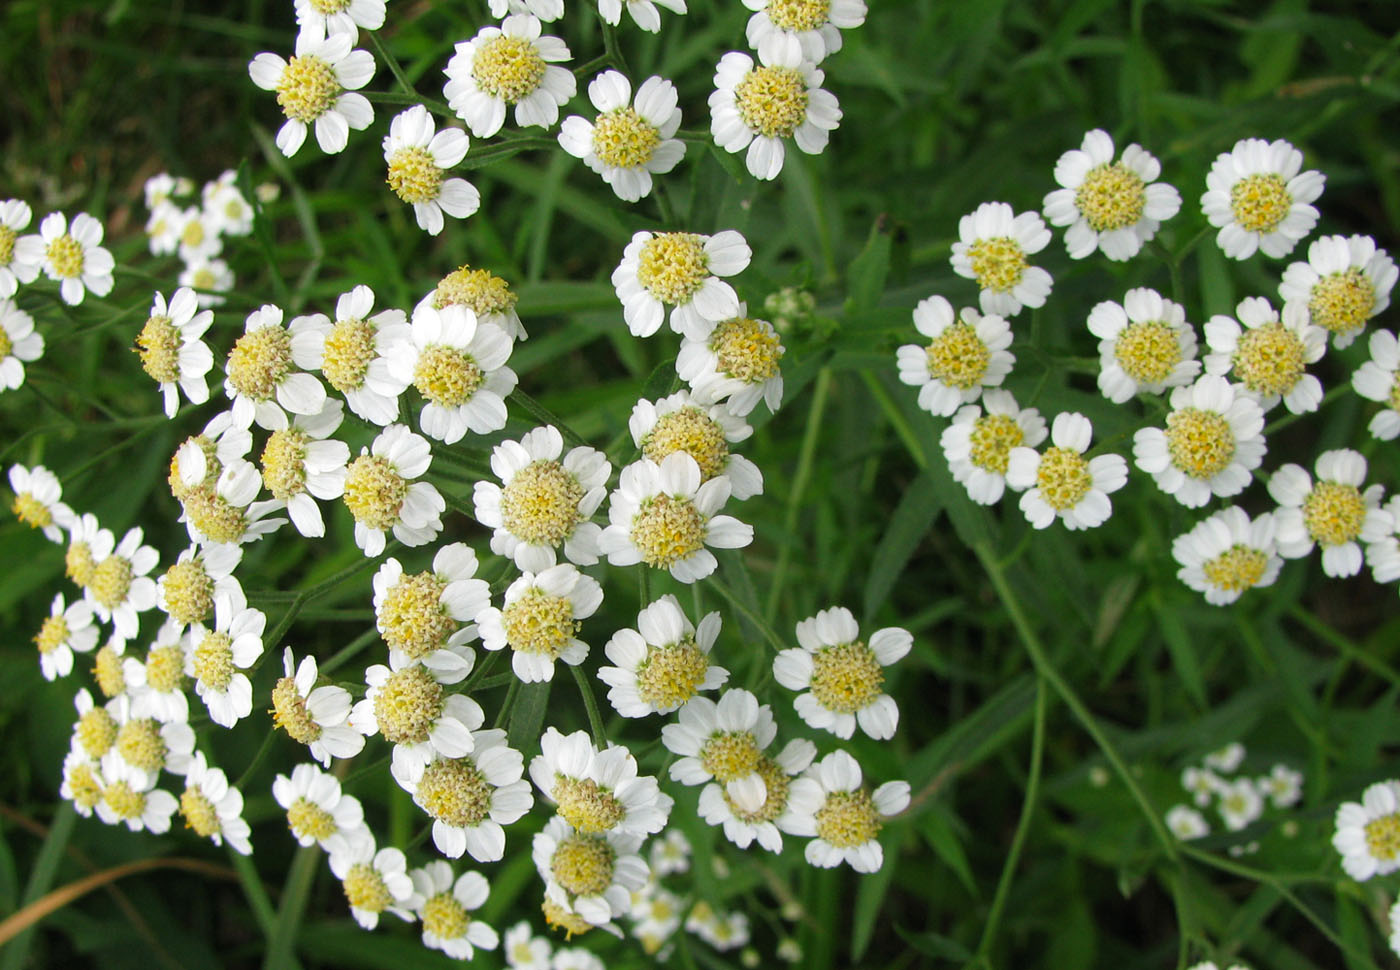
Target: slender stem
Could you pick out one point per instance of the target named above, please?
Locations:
(751, 614)
(46, 865)
(281, 948)
(800, 478)
(394, 97)
(588, 67)
(264, 749)
(541, 413)
(590, 703)
(614, 52)
(254, 890)
(1353, 652)
(1287, 419)
(506, 149)
(508, 703)
(895, 418)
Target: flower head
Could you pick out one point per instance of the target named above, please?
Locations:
(424, 617)
(264, 371)
(993, 243)
(591, 876)
(540, 620)
(1268, 355)
(739, 360)
(598, 791)
(681, 270)
(37, 500)
(316, 87)
(216, 658)
(318, 812)
(482, 292)
(212, 807)
(978, 446)
(1345, 282)
(66, 630)
(417, 160)
(19, 344)
(643, 12)
(830, 803)
(1335, 512)
(663, 663)
(408, 705)
(509, 65)
(381, 493)
(314, 716)
(1227, 554)
(1145, 345)
(172, 353)
(445, 906)
(683, 423)
(302, 463)
(1368, 832)
(374, 882)
(350, 352)
(14, 217)
(71, 256)
(966, 353)
(813, 27)
(761, 106)
(1060, 482)
(630, 140)
(1260, 199)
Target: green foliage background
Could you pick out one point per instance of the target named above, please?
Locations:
(1059, 681)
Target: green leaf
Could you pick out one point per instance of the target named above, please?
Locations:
(1183, 653)
(912, 518)
(527, 717)
(865, 280)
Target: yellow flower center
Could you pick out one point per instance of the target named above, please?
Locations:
(159, 344)
(1112, 196)
(407, 705)
(772, 100)
(52, 633)
(412, 618)
(96, 732)
(308, 88)
(107, 671)
(414, 175)
(374, 492)
(1236, 569)
(673, 266)
(7, 247)
(447, 376)
(444, 917)
(509, 68)
(747, 350)
(1269, 359)
(992, 438)
(1200, 443)
(189, 592)
(477, 289)
(587, 807)
(667, 529)
(290, 714)
(692, 431)
(848, 819)
(539, 623)
(1342, 302)
(730, 754)
(83, 784)
(111, 581)
(365, 889)
(200, 813)
(1394, 399)
(193, 233)
(204, 279)
(846, 678)
(124, 801)
(1260, 202)
(540, 504)
(214, 517)
(1063, 478)
(1383, 837)
(1148, 351)
(212, 468)
(306, 819)
(1334, 513)
(65, 256)
(583, 864)
(328, 7)
(624, 139)
(348, 353)
(998, 263)
(30, 510)
(284, 463)
(6, 345)
(958, 357)
(259, 362)
(670, 675)
(165, 668)
(798, 15)
(78, 564)
(776, 782)
(555, 915)
(213, 661)
(139, 742)
(455, 791)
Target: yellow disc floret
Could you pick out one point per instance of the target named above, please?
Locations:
(1236, 569)
(798, 15)
(308, 88)
(624, 139)
(53, 632)
(583, 864)
(7, 245)
(772, 100)
(1148, 350)
(1063, 478)
(199, 813)
(670, 675)
(478, 290)
(83, 785)
(998, 263)
(539, 623)
(1260, 202)
(123, 800)
(407, 705)
(540, 503)
(673, 266)
(1112, 196)
(991, 440)
(214, 517)
(1334, 513)
(444, 917)
(289, 712)
(414, 175)
(1201, 443)
(692, 431)
(159, 344)
(509, 68)
(284, 463)
(259, 362)
(29, 509)
(306, 819)
(446, 376)
(730, 754)
(1383, 837)
(557, 916)
(848, 819)
(1342, 302)
(746, 349)
(412, 618)
(846, 678)
(958, 357)
(188, 591)
(374, 492)
(141, 745)
(1269, 359)
(348, 352)
(213, 661)
(165, 668)
(107, 671)
(65, 256)
(667, 529)
(78, 564)
(365, 889)
(111, 581)
(454, 790)
(587, 806)
(96, 732)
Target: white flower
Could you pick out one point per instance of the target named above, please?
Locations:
(723, 931)
(509, 65)
(316, 87)
(993, 243)
(1268, 355)
(1383, 554)
(1335, 513)
(72, 256)
(262, 379)
(37, 500)
(1345, 282)
(763, 820)
(484, 293)
(643, 12)
(197, 234)
(445, 906)
(591, 876)
(1186, 823)
(202, 458)
(627, 143)
(318, 19)
(1283, 785)
(129, 795)
(97, 728)
(374, 882)
(598, 791)
(318, 812)
(759, 107)
(19, 344)
(547, 10)
(82, 783)
(966, 353)
(302, 463)
(663, 663)
(1376, 381)
(381, 494)
(86, 541)
(225, 514)
(351, 353)
(163, 228)
(830, 803)
(738, 360)
(314, 716)
(681, 270)
(703, 431)
(1111, 206)
(147, 743)
(663, 516)
(1227, 554)
(156, 685)
(120, 590)
(1368, 833)
(723, 742)
(670, 853)
(217, 658)
(426, 617)
(977, 446)
(162, 187)
(1240, 803)
(408, 706)
(814, 29)
(212, 807)
(459, 366)
(1061, 482)
(841, 676)
(1145, 344)
(1213, 441)
(1257, 198)
(417, 159)
(64, 631)
(1227, 758)
(539, 620)
(1202, 783)
(543, 504)
(224, 206)
(172, 351)
(209, 279)
(14, 217)
(524, 950)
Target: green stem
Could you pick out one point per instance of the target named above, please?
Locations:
(800, 478)
(508, 703)
(254, 890)
(264, 749)
(40, 878)
(506, 149)
(1353, 652)
(392, 62)
(281, 948)
(590, 703)
(614, 52)
(1288, 419)
(751, 614)
(902, 428)
(541, 413)
(393, 97)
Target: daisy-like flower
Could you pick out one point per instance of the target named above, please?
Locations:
(524, 950)
(761, 106)
(197, 235)
(682, 423)
(992, 249)
(65, 630)
(1202, 783)
(225, 207)
(628, 143)
(1260, 199)
(262, 379)
(417, 159)
(374, 882)
(108, 667)
(147, 744)
(19, 344)
(589, 875)
(1375, 380)
(509, 65)
(1061, 482)
(381, 494)
(1240, 803)
(172, 351)
(316, 87)
(318, 812)
(1213, 441)
(314, 716)
(37, 503)
(542, 506)
(1227, 758)
(225, 514)
(681, 270)
(71, 256)
(670, 853)
(82, 783)
(814, 29)
(842, 677)
(598, 791)
(157, 684)
(426, 617)
(1368, 832)
(830, 803)
(129, 796)
(14, 218)
(163, 228)
(1145, 345)
(201, 459)
(1267, 355)
(663, 516)
(745, 821)
(1111, 206)
(1283, 785)
(656, 915)
(318, 19)
(212, 807)
(1334, 513)
(1345, 282)
(723, 931)
(120, 590)
(217, 658)
(1227, 554)
(459, 366)
(966, 352)
(663, 663)
(86, 543)
(350, 352)
(409, 707)
(1186, 823)
(302, 463)
(738, 360)
(540, 619)
(445, 905)
(482, 292)
(643, 12)
(977, 446)
(723, 742)
(96, 730)
(470, 798)
(209, 279)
